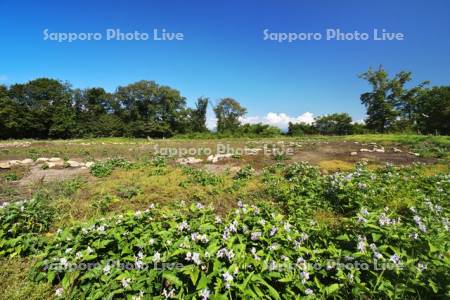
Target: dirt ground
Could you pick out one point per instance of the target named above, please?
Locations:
(329, 155)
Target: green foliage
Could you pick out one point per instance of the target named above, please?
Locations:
(21, 223)
(198, 176)
(101, 204)
(433, 111)
(128, 192)
(299, 129)
(244, 173)
(104, 169)
(334, 124)
(391, 106)
(260, 130)
(228, 111)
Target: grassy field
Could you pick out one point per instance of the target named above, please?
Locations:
(252, 225)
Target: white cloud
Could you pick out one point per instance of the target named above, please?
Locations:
(280, 120)
(3, 77)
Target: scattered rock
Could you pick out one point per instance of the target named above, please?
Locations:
(413, 153)
(378, 150)
(365, 150)
(396, 150)
(74, 164)
(55, 159)
(42, 160)
(5, 165)
(89, 164)
(354, 153)
(57, 164)
(188, 160)
(215, 158)
(27, 161)
(14, 162)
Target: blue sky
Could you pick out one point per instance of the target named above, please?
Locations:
(223, 53)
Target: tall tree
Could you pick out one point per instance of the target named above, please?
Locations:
(198, 115)
(390, 103)
(433, 111)
(150, 109)
(228, 111)
(381, 112)
(45, 99)
(337, 124)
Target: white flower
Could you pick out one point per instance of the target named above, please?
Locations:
(139, 297)
(126, 282)
(107, 269)
(156, 257)
(78, 255)
(287, 227)
(225, 253)
(199, 205)
(101, 228)
(218, 220)
(273, 231)
(168, 294)
(89, 250)
(228, 279)
(63, 262)
(183, 226)
(204, 294)
(395, 259)
(421, 266)
(59, 292)
(309, 292)
(255, 235)
(68, 250)
(253, 251)
(151, 241)
(362, 242)
(305, 276)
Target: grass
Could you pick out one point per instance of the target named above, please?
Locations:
(79, 200)
(14, 283)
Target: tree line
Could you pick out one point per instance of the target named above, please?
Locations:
(48, 108)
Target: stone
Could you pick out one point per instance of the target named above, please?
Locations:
(74, 164)
(42, 160)
(14, 162)
(54, 159)
(365, 150)
(396, 150)
(413, 153)
(27, 161)
(5, 165)
(378, 150)
(89, 164)
(354, 153)
(215, 158)
(188, 160)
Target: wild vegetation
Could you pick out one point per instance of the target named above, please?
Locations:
(149, 228)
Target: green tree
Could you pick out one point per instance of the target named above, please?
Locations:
(299, 129)
(390, 105)
(381, 112)
(337, 124)
(150, 109)
(228, 112)
(43, 99)
(433, 111)
(198, 115)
